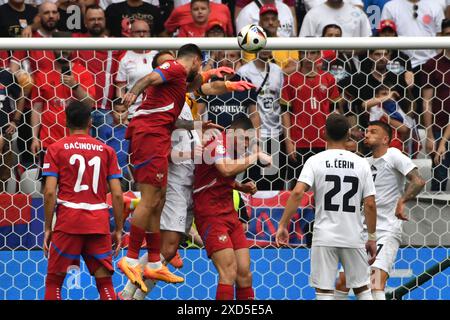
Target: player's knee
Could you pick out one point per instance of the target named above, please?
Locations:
(244, 277)
(228, 272)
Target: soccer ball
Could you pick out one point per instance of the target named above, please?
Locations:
(252, 38)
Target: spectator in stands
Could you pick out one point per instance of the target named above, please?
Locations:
(114, 136)
(286, 59)
(42, 60)
(134, 64)
(52, 92)
(251, 14)
(240, 4)
(200, 14)
(436, 98)
(101, 64)
(225, 108)
(182, 15)
(106, 3)
(352, 20)
(14, 17)
(309, 4)
(369, 103)
(307, 96)
(268, 79)
(10, 97)
(212, 58)
(215, 29)
(414, 18)
(119, 17)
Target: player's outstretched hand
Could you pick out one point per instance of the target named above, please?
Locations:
(116, 242)
(128, 99)
(282, 236)
(249, 187)
(400, 210)
(206, 125)
(238, 85)
(47, 240)
(220, 72)
(265, 159)
(371, 248)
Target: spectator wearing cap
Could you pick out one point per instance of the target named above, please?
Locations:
(415, 18)
(436, 98)
(286, 59)
(239, 4)
(200, 13)
(181, 16)
(250, 14)
(216, 29)
(352, 20)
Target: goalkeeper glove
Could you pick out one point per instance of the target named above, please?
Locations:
(238, 85)
(219, 73)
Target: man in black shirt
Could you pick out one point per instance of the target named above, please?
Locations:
(14, 17)
(119, 17)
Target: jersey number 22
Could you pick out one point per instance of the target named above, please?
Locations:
(329, 206)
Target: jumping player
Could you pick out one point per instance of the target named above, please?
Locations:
(340, 180)
(389, 168)
(83, 168)
(150, 142)
(215, 216)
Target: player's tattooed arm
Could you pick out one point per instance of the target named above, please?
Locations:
(416, 184)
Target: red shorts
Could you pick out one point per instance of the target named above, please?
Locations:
(221, 232)
(149, 154)
(66, 249)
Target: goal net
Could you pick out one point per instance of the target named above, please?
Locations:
(298, 82)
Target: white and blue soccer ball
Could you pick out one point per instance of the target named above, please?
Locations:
(252, 38)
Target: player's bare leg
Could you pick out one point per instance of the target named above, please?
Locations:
(143, 219)
(244, 284)
(341, 291)
(226, 265)
(378, 279)
(53, 286)
(104, 284)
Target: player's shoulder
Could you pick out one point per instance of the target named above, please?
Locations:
(396, 154)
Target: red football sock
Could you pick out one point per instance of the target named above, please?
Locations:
(245, 293)
(137, 235)
(105, 288)
(224, 292)
(153, 246)
(53, 285)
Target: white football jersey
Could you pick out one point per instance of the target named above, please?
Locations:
(182, 173)
(340, 180)
(269, 97)
(389, 174)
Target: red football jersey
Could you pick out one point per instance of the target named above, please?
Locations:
(213, 193)
(309, 103)
(41, 60)
(103, 65)
(83, 166)
(163, 103)
(191, 30)
(49, 90)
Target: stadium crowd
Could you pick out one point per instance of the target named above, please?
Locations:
(295, 91)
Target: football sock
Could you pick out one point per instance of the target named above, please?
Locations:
(378, 295)
(137, 235)
(224, 292)
(53, 285)
(365, 295)
(245, 293)
(324, 296)
(340, 295)
(105, 288)
(153, 246)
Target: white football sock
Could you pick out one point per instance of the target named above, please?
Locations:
(324, 296)
(132, 262)
(365, 295)
(128, 291)
(340, 295)
(139, 294)
(378, 295)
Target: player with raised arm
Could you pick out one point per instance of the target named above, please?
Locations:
(390, 168)
(340, 180)
(150, 142)
(82, 168)
(177, 214)
(216, 219)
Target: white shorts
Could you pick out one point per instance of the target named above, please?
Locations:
(177, 214)
(324, 267)
(387, 248)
